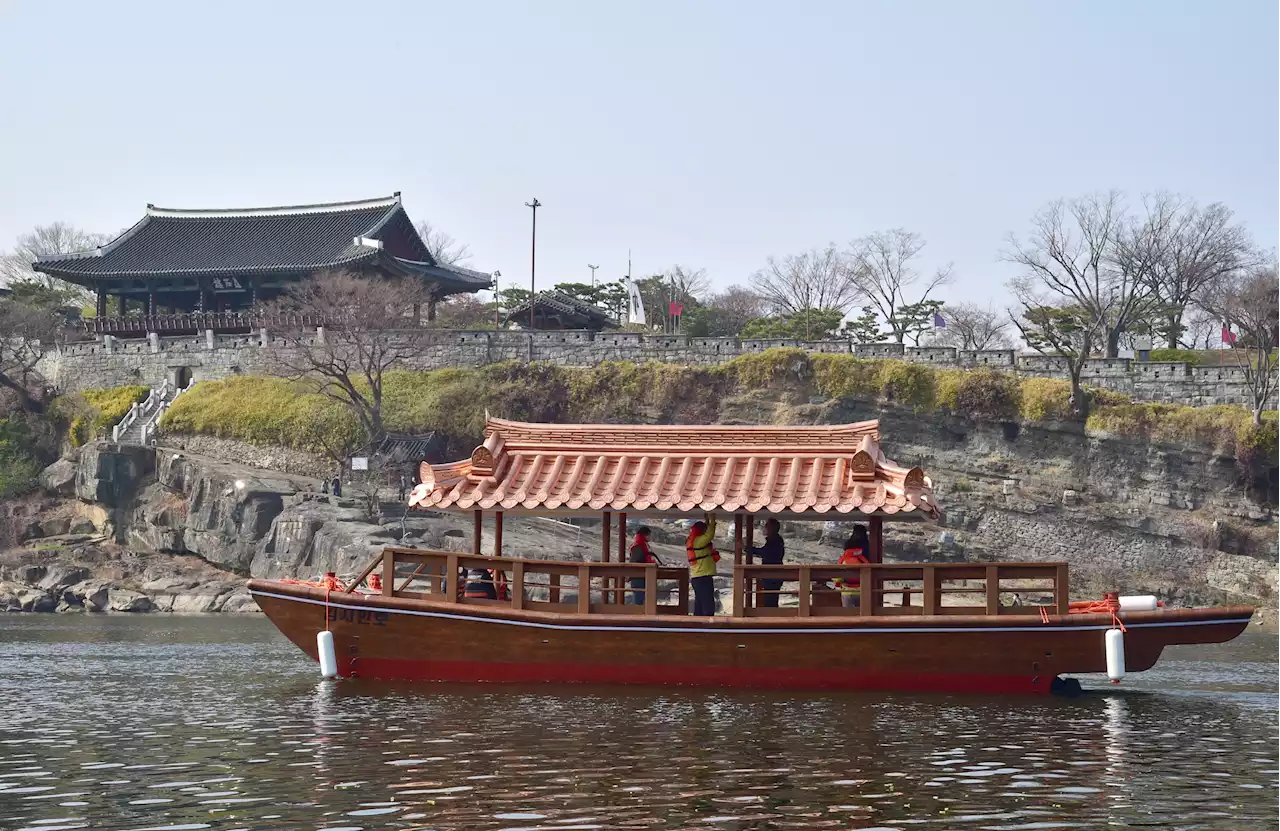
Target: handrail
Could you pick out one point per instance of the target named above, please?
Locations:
(607, 585)
(921, 589)
(930, 583)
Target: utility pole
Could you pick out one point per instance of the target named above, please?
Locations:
(593, 274)
(533, 259)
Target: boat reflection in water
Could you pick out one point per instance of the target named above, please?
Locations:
(985, 628)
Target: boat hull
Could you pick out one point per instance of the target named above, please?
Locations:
(397, 638)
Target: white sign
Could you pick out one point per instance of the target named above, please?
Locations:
(359, 462)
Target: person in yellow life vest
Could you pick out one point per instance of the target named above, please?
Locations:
(701, 550)
(855, 553)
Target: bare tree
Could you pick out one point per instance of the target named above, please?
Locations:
(735, 307)
(56, 238)
(679, 284)
(1059, 330)
(1197, 248)
(1071, 253)
(799, 285)
(970, 326)
(443, 247)
(1248, 303)
(880, 267)
(367, 332)
(27, 332)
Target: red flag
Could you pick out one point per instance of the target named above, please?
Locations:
(675, 309)
(1228, 336)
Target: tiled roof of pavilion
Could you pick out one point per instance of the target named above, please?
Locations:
(575, 313)
(293, 239)
(600, 467)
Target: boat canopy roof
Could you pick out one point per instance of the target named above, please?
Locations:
(802, 472)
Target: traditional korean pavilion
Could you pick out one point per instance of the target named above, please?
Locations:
(178, 260)
(554, 309)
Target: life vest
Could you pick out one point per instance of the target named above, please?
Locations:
(640, 553)
(696, 553)
(852, 557)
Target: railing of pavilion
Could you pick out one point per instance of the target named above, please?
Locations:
(141, 325)
(920, 589)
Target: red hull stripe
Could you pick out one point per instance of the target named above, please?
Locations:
(712, 630)
(807, 679)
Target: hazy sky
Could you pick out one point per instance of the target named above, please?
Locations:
(710, 134)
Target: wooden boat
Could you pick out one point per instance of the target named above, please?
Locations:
(986, 627)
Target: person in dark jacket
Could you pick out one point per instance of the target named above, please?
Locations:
(640, 553)
(770, 554)
(337, 486)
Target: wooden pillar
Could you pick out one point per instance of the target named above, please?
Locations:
(497, 533)
(122, 304)
(750, 537)
(417, 315)
(475, 532)
(101, 307)
(431, 310)
(606, 532)
(737, 539)
(622, 537)
(153, 305)
(876, 535)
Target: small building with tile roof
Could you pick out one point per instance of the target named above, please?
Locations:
(553, 309)
(228, 260)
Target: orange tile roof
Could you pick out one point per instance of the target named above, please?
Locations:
(584, 468)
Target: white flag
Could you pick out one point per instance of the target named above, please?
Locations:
(635, 306)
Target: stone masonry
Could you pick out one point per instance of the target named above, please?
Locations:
(112, 362)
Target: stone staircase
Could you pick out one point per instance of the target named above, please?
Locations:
(139, 425)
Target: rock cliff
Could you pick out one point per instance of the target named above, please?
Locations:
(1127, 515)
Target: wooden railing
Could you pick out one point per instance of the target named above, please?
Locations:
(177, 324)
(928, 589)
(898, 589)
(541, 585)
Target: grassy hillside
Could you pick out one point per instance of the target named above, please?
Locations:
(453, 401)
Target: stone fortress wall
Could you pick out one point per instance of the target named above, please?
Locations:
(111, 362)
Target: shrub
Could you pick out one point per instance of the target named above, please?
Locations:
(844, 376)
(1046, 399)
(20, 461)
(908, 384)
(92, 413)
(982, 395)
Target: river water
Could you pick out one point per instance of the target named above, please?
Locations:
(156, 722)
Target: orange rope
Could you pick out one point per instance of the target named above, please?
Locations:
(1110, 603)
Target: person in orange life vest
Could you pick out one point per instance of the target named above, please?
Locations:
(770, 554)
(640, 553)
(855, 553)
(700, 548)
(480, 585)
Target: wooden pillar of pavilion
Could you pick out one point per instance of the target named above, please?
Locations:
(153, 305)
(497, 533)
(750, 537)
(622, 537)
(737, 539)
(100, 308)
(876, 538)
(606, 535)
(122, 304)
(478, 518)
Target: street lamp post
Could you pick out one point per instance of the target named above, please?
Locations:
(593, 274)
(533, 260)
(496, 303)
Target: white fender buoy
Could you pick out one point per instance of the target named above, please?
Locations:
(1115, 654)
(1139, 603)
(329, 658)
